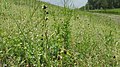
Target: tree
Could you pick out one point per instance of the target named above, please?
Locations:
(105, 4)
(66, 3)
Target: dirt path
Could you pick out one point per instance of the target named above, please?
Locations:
(115, 18)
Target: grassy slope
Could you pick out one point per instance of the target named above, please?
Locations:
(93, 40)
(109, 11)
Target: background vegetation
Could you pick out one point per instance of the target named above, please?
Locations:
(104, 4)
(107, 11)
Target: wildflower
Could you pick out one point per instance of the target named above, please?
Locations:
(42, 65)
(59, 57)
(44, 7)
(65, 51)
(114, 56)
(54, 19)
(59, 50)
(42, 25)
(41, 38)
(46, 12)
(54, 57)
(75, 63)
(46, 18)
(42, 35)
(77, 17)
(27, 65)
(4, 65)
(37, 35)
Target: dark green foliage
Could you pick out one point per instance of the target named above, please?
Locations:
(104, 4)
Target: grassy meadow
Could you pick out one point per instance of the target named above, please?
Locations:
(37, 34)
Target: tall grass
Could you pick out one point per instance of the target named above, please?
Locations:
(37, 34)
